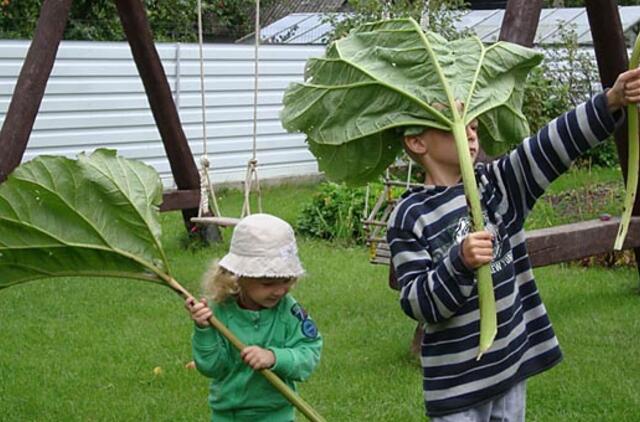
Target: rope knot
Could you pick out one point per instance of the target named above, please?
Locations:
(204, 161)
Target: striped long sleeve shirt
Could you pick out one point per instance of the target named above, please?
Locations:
(424, 234)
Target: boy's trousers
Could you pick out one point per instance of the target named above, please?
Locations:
(509, 407)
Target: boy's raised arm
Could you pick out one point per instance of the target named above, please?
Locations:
(524, 174)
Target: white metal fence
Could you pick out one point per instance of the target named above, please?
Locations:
(95, 98)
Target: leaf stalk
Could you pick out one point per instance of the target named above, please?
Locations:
(486, 297)
(633, 159)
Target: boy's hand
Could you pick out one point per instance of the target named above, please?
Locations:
(477, 249)
(199, 311)
(625, 90)
(257, 357)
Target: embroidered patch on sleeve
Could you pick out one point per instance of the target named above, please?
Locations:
(309, 328)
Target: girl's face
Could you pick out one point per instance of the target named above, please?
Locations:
(264, 292)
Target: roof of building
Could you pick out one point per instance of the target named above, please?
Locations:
(282, 8)
(313, 28)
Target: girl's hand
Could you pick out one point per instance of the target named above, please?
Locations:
(625, 90)
(199, 311)
(257, 357)
(477, 249)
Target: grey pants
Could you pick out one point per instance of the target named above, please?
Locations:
(509, 407)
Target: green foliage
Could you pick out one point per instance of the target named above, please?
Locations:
(441, 15)
(235, 18)
(97, 20)
(335, 212)
(567, 77)
(97, 215)
(581, 3)
(389, 75)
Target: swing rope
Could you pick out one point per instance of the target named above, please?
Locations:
(251, 180)
(206, 188)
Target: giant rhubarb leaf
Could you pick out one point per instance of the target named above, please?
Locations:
(389, 78)
(356, 102)
(94, 216)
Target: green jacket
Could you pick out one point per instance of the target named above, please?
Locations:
(237, 392)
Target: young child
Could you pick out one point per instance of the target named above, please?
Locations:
(249, 289)
(434, 254)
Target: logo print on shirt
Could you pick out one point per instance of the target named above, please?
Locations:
(464, 228)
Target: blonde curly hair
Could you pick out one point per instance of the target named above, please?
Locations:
(218, 283)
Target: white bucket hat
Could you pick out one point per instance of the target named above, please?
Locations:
(263, 246)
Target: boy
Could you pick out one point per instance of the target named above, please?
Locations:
(435, 255)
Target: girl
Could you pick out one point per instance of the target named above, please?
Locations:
(249, 291)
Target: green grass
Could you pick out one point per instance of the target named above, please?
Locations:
(85, 350)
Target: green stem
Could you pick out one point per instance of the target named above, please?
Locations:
(634, 157)
(283, 388)
(486, 297)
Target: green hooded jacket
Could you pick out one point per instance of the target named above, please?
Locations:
(237, 392)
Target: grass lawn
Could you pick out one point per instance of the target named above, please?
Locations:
(86, 349)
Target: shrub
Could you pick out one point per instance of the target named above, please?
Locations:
(334, 213)
(567, 77)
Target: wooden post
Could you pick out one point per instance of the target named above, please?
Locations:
(611, 55)
(32, 81)
(138, 32)
(520, 21)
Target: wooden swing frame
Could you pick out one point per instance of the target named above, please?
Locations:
(519, 26)
(34, 76)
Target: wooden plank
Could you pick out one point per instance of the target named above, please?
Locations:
(31, 84)
(136, 27)
(580, 240)
(520, 21)
(180, 199)
(217, 221)
(563, 243)
(611, 55)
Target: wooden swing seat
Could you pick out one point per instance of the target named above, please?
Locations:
(218, 221)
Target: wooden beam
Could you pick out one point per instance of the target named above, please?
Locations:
(180, 199)
(611, 55)
(138, 32)
(563, 243)
(520, 21)
(31, 84)
(576, 241)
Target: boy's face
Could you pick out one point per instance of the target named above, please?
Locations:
(440, 146)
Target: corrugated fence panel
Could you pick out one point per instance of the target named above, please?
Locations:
(95, 99)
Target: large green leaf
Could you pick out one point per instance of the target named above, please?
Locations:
(94, 216)
(388, 76)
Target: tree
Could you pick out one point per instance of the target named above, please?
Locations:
(580, 3)
(440, 16)
(97, 20)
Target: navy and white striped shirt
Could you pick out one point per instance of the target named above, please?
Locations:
(424, 234)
